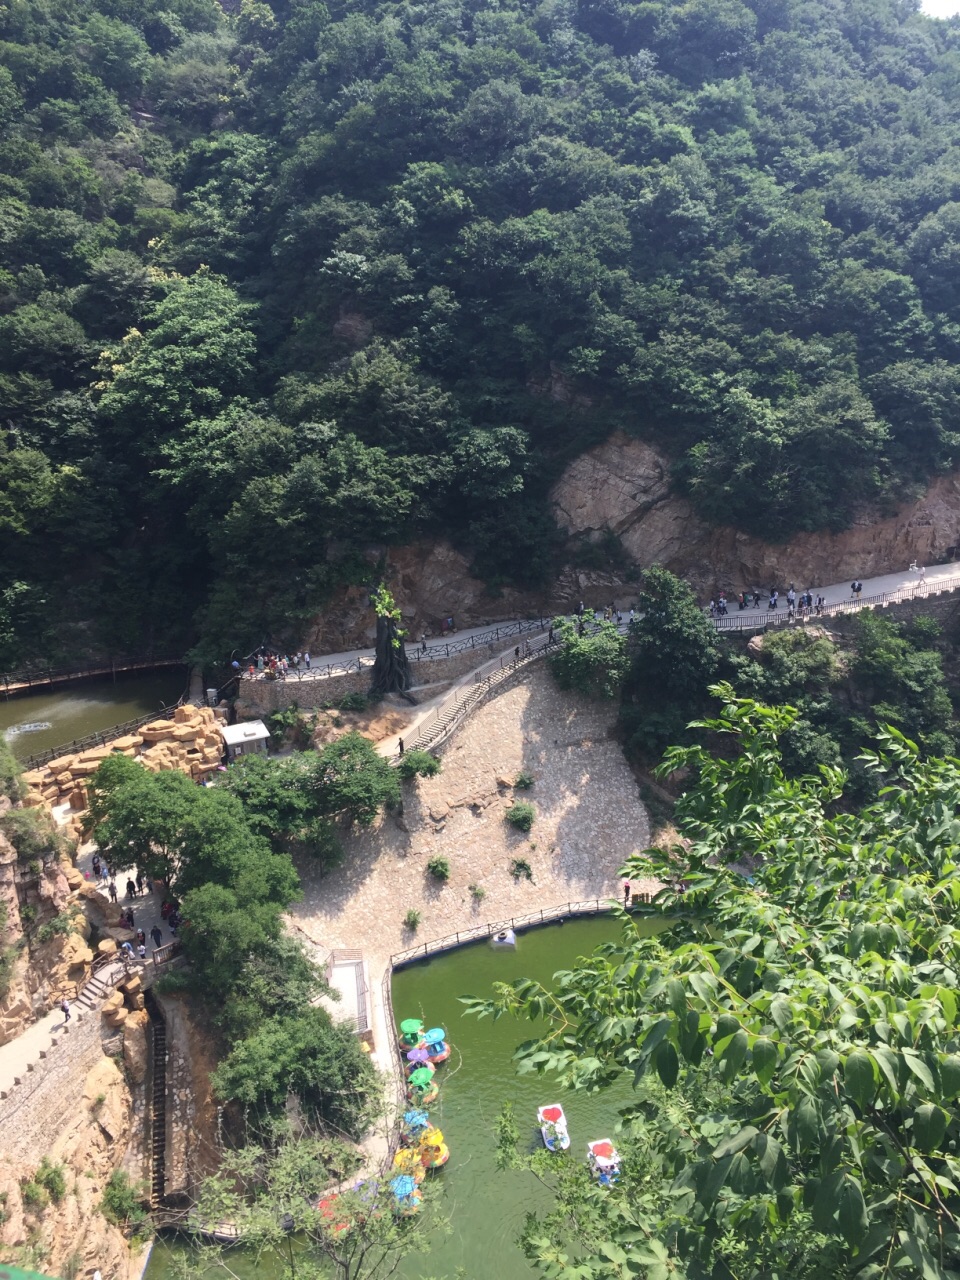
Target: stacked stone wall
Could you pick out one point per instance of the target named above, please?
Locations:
(36, 1111)
(310, 693)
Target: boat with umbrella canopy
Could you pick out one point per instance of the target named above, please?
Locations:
(414, 1126)
(421, 1087)
(406, 1195)
(435, 1043)
(604, 1161)
(417, 1058)
(408, 1161)
(411, 1033)
(553, 1128)
(434, 1151)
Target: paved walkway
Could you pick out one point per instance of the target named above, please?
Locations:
(904, 580)
(24, 1051)
(834, 594)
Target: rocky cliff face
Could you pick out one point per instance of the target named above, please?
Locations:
(42, 973)
(72, 1237)
(622, 487)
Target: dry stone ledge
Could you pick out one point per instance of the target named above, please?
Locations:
(190, 742)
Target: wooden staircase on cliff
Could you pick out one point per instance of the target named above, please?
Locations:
(158, 1111)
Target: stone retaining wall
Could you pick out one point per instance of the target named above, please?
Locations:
(272, 695)
(37, 1110)
(944, 607)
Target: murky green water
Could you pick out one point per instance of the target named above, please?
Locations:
(486, 1208)
(86, 707)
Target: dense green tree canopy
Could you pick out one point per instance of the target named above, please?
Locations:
(803, 1022)
(280, 286)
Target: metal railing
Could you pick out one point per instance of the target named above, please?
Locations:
(32, 677)
(102, 738)
(754, 617)
(448, 716)
(396, 1072)
(565, 911)
(415, 653)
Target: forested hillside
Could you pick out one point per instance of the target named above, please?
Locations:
(279, 285)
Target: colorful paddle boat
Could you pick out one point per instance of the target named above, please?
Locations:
(434, 1152)
(408, 1162)
(604, 1161)
(417, 1058)
(421, 1087)
(406, 1196)
(436, 1046)
(411, 1033)
(415, 1124)
(553, 1128)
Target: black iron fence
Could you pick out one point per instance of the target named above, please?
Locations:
(35, 677)
(101, 739)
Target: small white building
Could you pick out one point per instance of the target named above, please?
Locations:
(244, 739)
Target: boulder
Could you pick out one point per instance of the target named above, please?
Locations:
(113, 1002)
(107, 947)
(78, 799)
(131, 986)
(74, 876)
(115, 1017)
(129, 742)
(135, 1045)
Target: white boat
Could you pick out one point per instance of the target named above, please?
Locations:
(504, 938)
(604, 1161)
(553, 1127)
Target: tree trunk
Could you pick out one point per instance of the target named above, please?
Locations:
(391, 669)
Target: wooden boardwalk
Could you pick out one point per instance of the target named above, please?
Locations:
(14, 682)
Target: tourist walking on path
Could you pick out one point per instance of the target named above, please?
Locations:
(65, 1010)
(156, 933)
(131, 889)
(112, 889)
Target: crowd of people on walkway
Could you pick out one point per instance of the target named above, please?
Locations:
(801, 605)
(137, 886)
(275, 665)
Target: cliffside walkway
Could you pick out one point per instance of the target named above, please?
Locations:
(905, 584)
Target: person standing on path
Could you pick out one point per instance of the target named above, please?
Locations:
(139, 881)
(400, 747)
(156, 933)
(131, 889)
(112, 889)
(516, 654)
(65, 1010)
(923, 574)
(306, 660)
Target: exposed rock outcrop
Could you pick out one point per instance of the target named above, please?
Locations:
(622, 486)
(190, 742)
(73, 1237)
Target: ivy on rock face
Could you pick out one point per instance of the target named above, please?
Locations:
(799, 1027)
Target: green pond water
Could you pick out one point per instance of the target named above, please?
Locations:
(485, 1208)
(88, 706)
